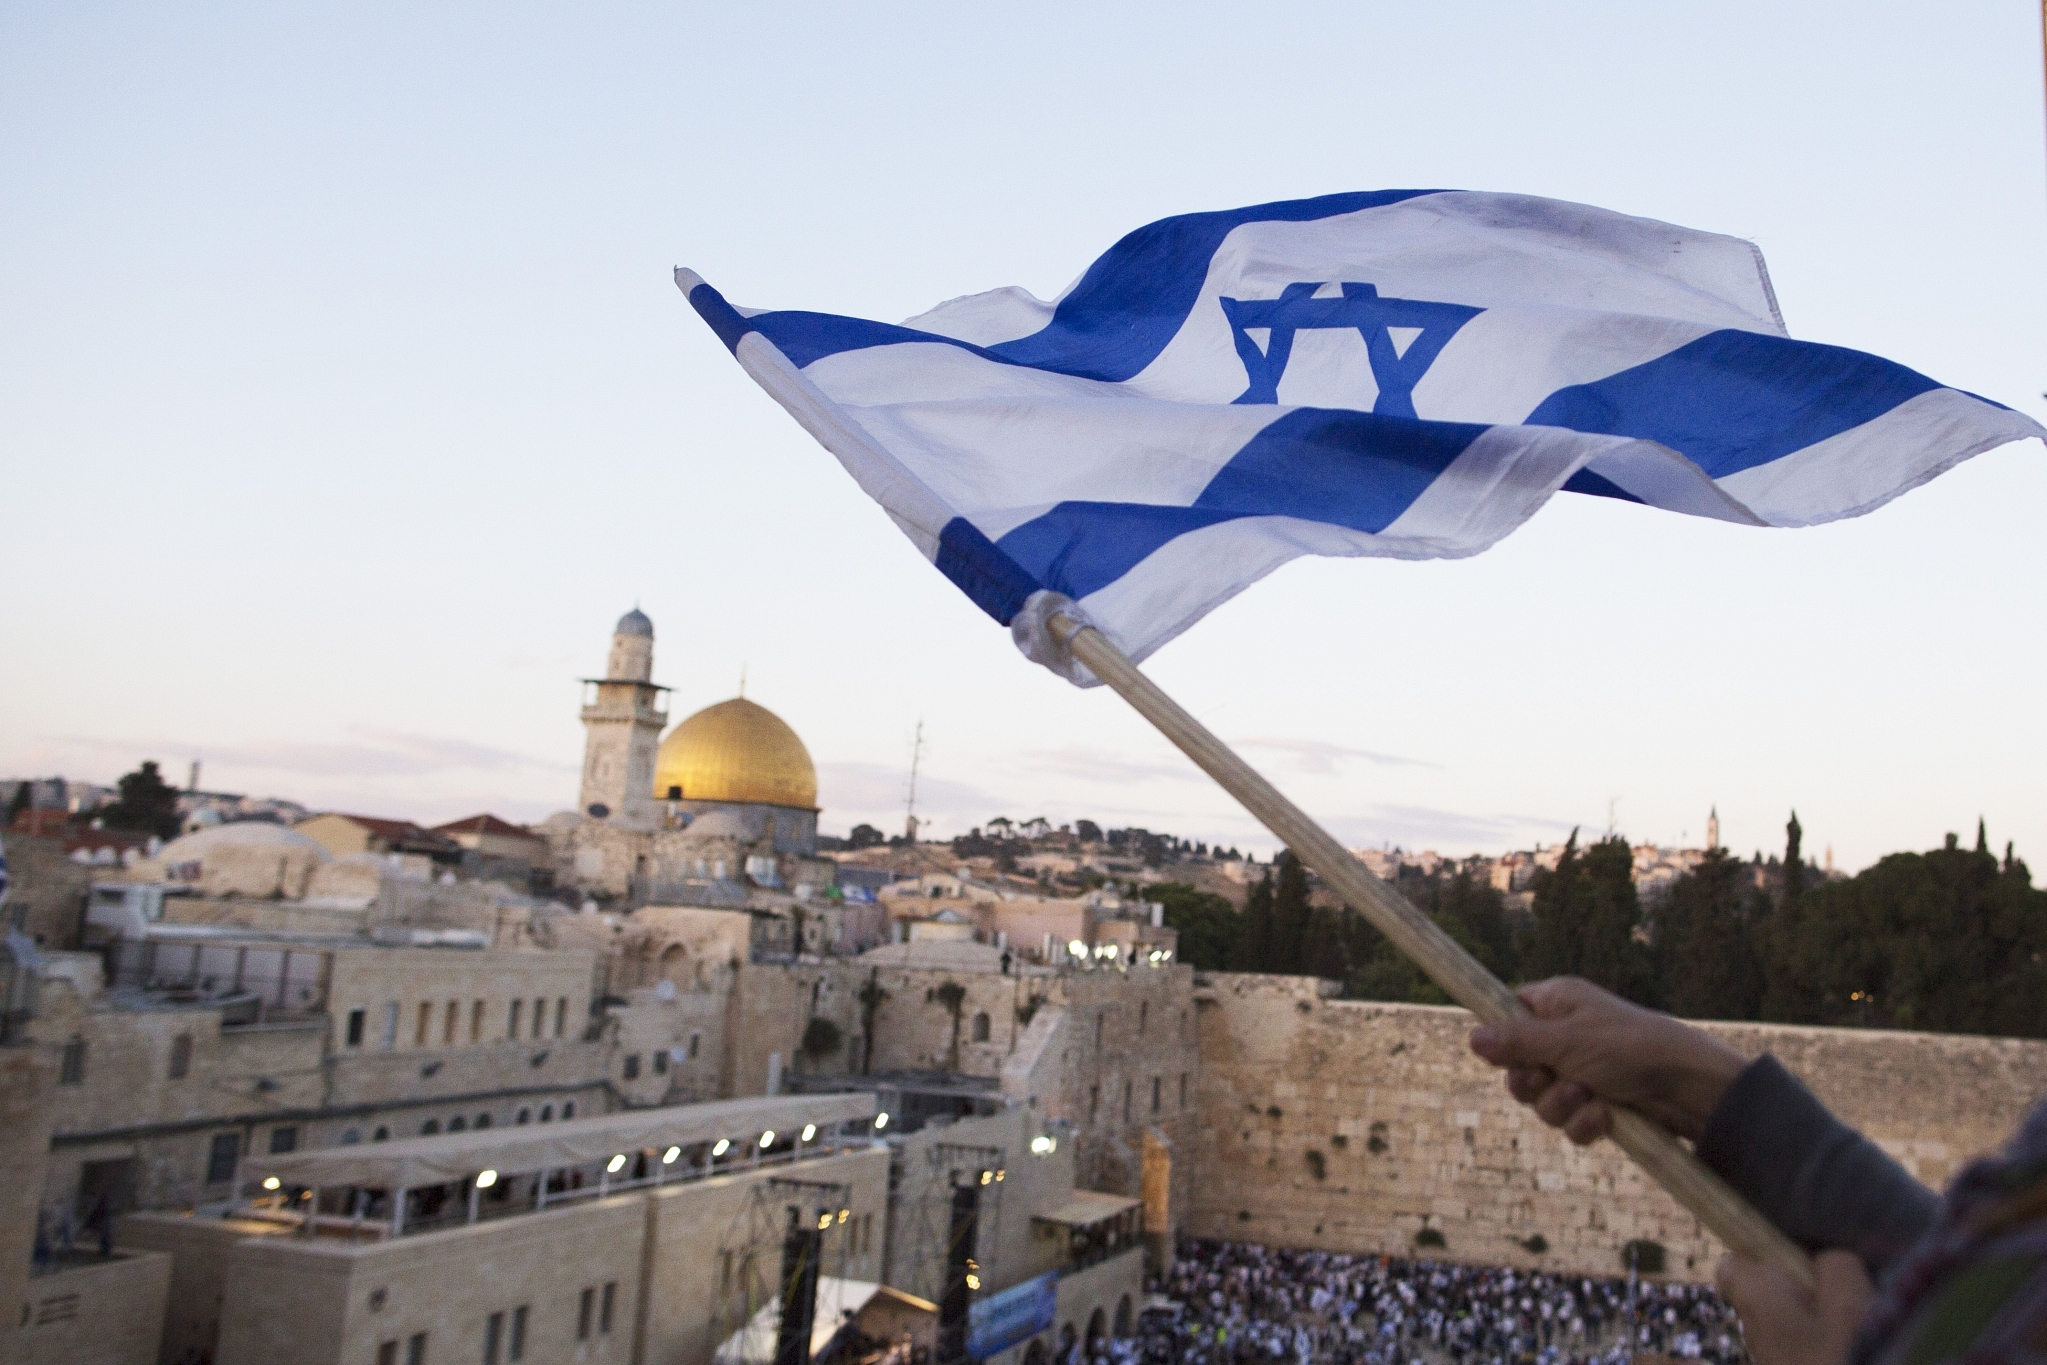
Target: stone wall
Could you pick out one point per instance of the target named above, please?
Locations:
(1355, 1126)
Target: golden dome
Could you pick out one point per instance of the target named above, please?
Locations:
(736, 751)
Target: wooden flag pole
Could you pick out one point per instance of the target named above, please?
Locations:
(1669, 1162)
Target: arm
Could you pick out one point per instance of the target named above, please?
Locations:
(1817, 1179)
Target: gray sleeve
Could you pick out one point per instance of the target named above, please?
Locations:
(1822, 1183)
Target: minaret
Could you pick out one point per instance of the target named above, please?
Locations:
(1713, 829)
(623, 719)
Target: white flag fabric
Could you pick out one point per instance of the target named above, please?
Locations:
(1406, 373)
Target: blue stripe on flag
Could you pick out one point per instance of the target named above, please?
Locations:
(1354, 469)
(982, 570)
(1132, 301)
(1135, 297)
(1733, 400)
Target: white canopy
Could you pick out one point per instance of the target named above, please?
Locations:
(415, 1162)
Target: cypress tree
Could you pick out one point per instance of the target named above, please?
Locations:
(1255, 942)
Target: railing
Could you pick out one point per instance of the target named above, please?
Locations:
(461, 1203)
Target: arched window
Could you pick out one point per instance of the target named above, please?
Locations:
(1097, 1327)
(482, 1121)
(547, 1113)
(383, 1134)
(525, 1116)
(430, 1127)
(458, 1124)
(1123, 1316)
(569, 1109)
(981, 1027)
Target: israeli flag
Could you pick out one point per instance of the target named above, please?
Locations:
(1406, 373)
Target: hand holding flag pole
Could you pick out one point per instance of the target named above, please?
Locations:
(1666, 1160)
(1406, 374)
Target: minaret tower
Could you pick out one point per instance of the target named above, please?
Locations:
(623, 717)
(1713, 829)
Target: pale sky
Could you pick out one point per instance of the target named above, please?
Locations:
(345, 402)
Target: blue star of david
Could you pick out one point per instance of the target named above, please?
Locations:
(1297, 309)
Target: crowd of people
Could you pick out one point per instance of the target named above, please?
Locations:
(1236, 1303)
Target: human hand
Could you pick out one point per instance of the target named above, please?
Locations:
(1787, 1324)
(1582, 1047)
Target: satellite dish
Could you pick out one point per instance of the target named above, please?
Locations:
(598, 810)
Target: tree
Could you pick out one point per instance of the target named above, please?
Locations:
(870, 997)
(1709, 942)
(866, 836)
(1087, 831)
(1470, 911)
(1794, 860)
(22, 801)
(1586, 920)
(1255, 939)
(148, 804)
(1207, 924)
(1292, 917)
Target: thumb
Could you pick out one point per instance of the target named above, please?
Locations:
(1843, 1293)
(1523, 1042)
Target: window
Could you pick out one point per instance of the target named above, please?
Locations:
(415, 1349)
(1126, 1101)
(390, 1036)
(524, 1115)
(430, 1127)
(482, 1121)
(1143, 1014)
(518, 1350)
(981, 1027)
(585, 1309)
(632, 1066)
(351, 1137)
(561, 1016)
(181, 1056)
(539, 1017)
(1094, 1102)
(357, 1018)
(1183, 1090)
(476, 1022)
(512, 1021)
(221, 1155)
(547, 1113)
(458, 1124)
(660, 1061)
(383, 1134)
(72, 1070)
(283, 1139)
(694, 1040)
(493, 1334)
(387, 1353)
(454, 1012)
(568, 1109)
(604, 1312)
(426, 1021)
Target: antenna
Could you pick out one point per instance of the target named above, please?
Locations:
(742, 682)
(1611, 805)
(916, 755)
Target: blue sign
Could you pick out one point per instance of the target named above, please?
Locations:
(1000, 1321)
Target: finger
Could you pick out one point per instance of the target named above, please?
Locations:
(1843, 1292)
(1591, 1123)
(1528, 1083)
(1560, 1102)
(1761, 1292)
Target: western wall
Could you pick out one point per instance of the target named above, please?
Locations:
(1365, 1127)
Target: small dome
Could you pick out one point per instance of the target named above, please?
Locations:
(738, 752)
(635, 622)
(240, 834)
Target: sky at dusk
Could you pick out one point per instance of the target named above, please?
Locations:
(346, 401)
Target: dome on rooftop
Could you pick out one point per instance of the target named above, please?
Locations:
(635, 622)
(240, 834)
(739, 752)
